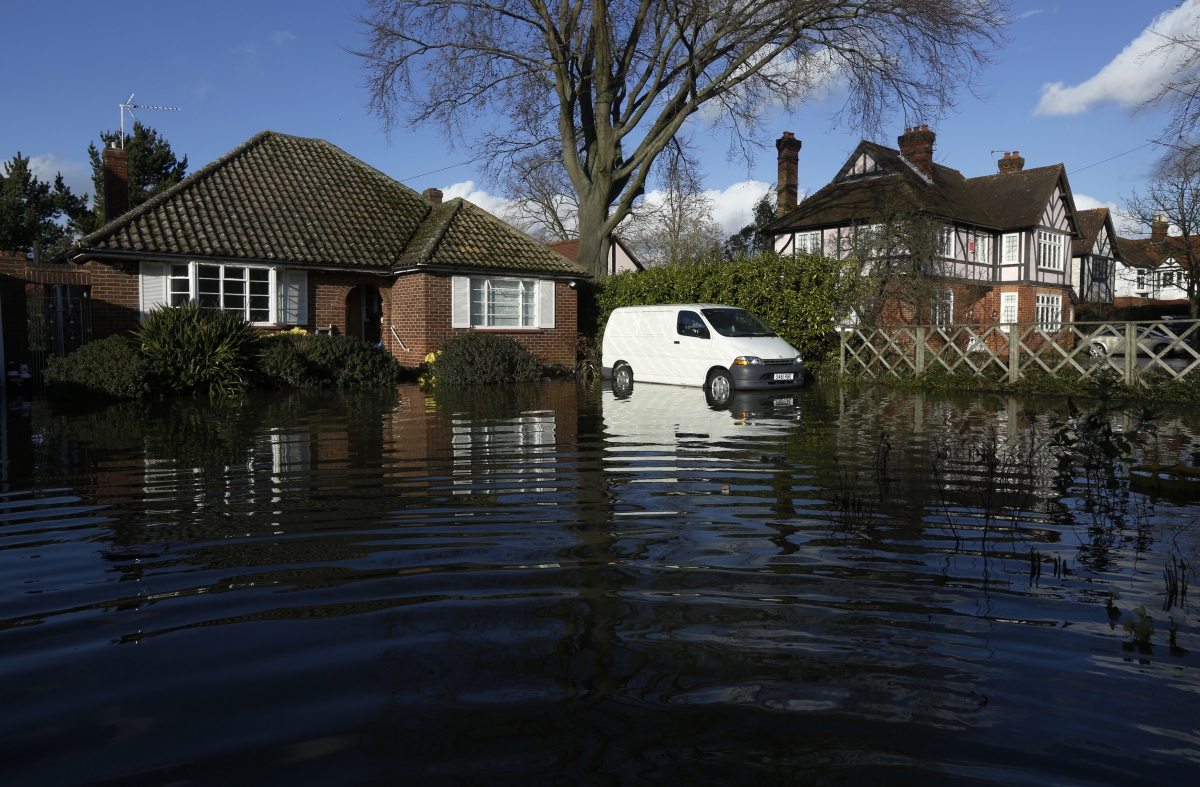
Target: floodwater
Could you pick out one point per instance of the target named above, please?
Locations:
(556, 586)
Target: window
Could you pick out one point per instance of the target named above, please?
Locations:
(503, 303)
(1141, 280)
(809, 242)
(690, 324)
(943, 308)
(736, 322)
(235, 288)
(981, 248)
(1049, 312)
(1050, 250)
(948, 242)
(1168, 278)
(1008, 309)
(1012, 247)
(181, 284)
(1100, 268)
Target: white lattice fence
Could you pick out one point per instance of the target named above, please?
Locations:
(1082, 349)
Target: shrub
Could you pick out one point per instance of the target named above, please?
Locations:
(802, 297)
(482, 359)
(110, 367)
(190, 349)
(281, 363)
(347, 362)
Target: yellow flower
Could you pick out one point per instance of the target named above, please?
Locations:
(431, 357)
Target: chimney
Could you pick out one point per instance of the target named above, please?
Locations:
(432, 196)
(116, 182)
(916, 145)
(1012, 162)
(1158, 229)
(789, 173)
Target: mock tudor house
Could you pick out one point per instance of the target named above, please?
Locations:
(1150, 274)
(1095, 257)
(1008, 238)
(294, 232)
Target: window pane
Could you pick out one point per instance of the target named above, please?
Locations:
(528, 303)
(179, 270)
(504, 304)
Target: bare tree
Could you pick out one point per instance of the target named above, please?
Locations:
(1174, 195)
(899, 257)
(543, 201)
(604, 85)
(1181, 92)
(674, 226)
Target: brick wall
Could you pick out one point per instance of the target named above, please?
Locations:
(974, 305)
(116, 300)
(421, 316)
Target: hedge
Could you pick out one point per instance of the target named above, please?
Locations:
(111, 368)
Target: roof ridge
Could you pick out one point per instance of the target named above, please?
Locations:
(129, 216)
(442, 223)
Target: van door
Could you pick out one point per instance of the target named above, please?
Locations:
(655, 353)
(693, 348)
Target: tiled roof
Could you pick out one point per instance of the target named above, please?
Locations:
(1090, 223)
(291, 199)
(1001, 201)
(1145, 253)
(1017, 199)
(567, 248)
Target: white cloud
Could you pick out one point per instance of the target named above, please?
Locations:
(1027, 14)
(77, 175)
(281, 37)
(1084, 202)
(733, 208)
(1128, 79)
(497, 206)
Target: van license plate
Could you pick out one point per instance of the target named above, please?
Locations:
(785, 376)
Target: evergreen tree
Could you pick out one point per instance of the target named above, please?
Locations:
(153, 168)
(33, 210)
(746, 242)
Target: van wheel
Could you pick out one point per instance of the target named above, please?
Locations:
(719, 387)
(623, 380)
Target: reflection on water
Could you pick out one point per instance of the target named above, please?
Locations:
(552, 585)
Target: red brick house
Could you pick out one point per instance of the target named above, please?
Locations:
(293, 232)
(1007, 237)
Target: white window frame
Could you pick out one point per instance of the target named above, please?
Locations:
(1050, 250)
(809, 242)
(942, 308)
(948, 236)
(1141, 279)
(1010, 303)
(1011, 249)
(193, 287)
(527, 288)
(1049, 312)
(981, 247)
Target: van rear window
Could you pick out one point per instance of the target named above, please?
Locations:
(736, 322)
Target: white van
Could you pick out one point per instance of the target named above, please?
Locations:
(719, 348)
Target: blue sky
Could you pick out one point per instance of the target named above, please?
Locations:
(237, 68)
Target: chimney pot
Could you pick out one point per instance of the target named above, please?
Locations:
(787, 185)
(1158, 229)
(432, 196)
(116, 182)
(1012, 162)
(916, 146)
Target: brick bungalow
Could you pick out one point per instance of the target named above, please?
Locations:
(290, 231)
(1007, 237)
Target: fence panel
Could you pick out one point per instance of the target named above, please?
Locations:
(1079, 349)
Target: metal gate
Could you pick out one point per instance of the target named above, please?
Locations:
(60, 320)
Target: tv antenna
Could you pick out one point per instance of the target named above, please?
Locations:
(129, 106)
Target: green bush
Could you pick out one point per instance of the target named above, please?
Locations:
(482, 359)
(110, 367)
(349, 363)
(281, 363)
(190, 350)
(802, 298)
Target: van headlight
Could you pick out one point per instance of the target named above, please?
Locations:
(798, 360)
(747, 360)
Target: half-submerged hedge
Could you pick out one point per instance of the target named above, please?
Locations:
(802, 298)
(188, 350)
(472, 359)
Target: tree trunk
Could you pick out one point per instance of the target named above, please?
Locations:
(593, 236)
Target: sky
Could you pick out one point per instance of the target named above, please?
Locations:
(1062, 90)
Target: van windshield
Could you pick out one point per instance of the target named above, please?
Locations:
(736, 322)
